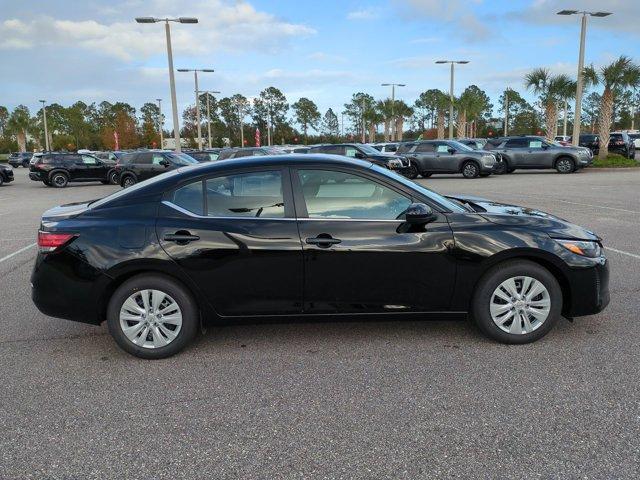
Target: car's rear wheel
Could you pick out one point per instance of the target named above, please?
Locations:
(565, 165)
(470, 170)
(59, 180)
(152, 316)
(517, 302)
(501, 168)
(113, 178)
(128, 181)
(25, 163)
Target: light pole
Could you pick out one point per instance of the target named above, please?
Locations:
(46, 130)
(452, 62)
(577, 120)
(195, 76)
(393, 104)
(506, 112)
(160, 122)
(208, 92)
(172, 80)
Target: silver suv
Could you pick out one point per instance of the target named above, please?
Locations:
(450, 156)
(529, 152)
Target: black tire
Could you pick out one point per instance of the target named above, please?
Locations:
(184, 299)
(128, 181)
(510, 169)
(565, 165)
(113, 178)
(47, 183)
(1, 180)
(470, 170)
(501, 168)
(59, 180)
(25, 164)
(632, 153)
(426, 174)
(480, 305)
(412, 171)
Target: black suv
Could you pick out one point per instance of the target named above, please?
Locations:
(450, 156)
(20, 158)
(622, 144)
(235, 152)
(367, 152)
(58, 169)
(590, 141)
(6, 174)
(138, 166)
(532, 152)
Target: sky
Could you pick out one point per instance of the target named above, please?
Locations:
(326, 50)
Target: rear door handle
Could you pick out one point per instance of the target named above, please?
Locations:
(323, 241)
(181, 237)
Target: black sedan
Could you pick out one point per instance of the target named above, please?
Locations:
(307, 235)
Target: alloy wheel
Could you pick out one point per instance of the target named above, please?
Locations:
(128, 182)
(470, 170)
(520, 305)
(150, 319)
(59, 180)
(564, 165)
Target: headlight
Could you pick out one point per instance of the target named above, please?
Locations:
(582, 247)
(488, 159)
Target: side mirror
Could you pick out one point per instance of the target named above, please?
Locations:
(359, 155)
(164, 162)
(419, 214)
(451, 150)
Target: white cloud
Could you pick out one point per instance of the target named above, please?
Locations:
(369, 13)
(223, 26)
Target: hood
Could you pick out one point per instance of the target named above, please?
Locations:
(66, 211)
(505, 214)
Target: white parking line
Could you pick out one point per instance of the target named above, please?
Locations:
(17, 252)
(598, 206)
(623, 253)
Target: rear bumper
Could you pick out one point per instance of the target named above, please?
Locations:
(7, 175)
(589, 290)
(37, 176)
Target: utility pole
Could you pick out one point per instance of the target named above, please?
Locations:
(160, 123)
(46, 130)
(452, 62)
(506, 112)
(195, 76)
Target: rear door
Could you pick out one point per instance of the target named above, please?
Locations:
(359, 255)
(236, 236)
(425, 155)
(516, 150)
(141, 165)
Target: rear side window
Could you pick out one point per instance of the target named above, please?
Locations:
(255, 194)
(143, 158)
(190, 197)
(425, 148)
(517, 143)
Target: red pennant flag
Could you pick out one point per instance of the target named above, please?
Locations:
(257, 137)
(116, 139)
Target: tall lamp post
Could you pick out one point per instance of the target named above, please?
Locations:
(577, 121)
(195, 76)
(208, 92)
(393, 104)
(452, 62)
(160, 122)
(172, 80)
(46, 130)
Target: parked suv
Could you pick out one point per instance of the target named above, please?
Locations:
(622, 144)
(20, 158)
(450, 156)
(58, 169)
(138, 166)
(528, 152)
(367, 152)
(6, 174)
(590, 141)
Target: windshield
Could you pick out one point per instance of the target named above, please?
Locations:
(460, 146)
(182, 159)
(368, 149)
(436, 197)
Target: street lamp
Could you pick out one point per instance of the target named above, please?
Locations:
(209, 115)
(46, 130)
(195, 76)
(172, 80)
(577, 121)
(393, 104)
(452, 62)
(160, 122)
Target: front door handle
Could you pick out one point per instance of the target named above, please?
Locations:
(181, 238)
(323, 241)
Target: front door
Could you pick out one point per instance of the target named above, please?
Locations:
(445, 160)
(359, 257)
(236, 236)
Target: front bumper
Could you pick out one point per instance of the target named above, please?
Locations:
(589, 289)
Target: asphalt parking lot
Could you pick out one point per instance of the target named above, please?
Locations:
(395, 399)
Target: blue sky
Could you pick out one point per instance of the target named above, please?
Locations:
(326, 50)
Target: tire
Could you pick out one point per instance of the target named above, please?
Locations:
(426, 174)
(501, 168)
(565, 165)
(128, 181)
(485, 296)
(113, 178)
(47, 183)
(470, 170)
(59, 180)
(510, 169)
(412, 171)
(632, 153)
(160, 341)
(25, 164)
(1, 180)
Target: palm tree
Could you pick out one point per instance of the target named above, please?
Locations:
(618, 75)
(442, 105)
(19, 124)
(401, 111)
(568, 92)
(385, 110)
(549, 88)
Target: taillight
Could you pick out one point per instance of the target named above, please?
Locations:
(51, 241)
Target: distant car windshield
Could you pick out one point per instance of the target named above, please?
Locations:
(460, 146)
(182, 159)
(436, 197)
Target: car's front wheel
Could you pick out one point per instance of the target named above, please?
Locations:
(411, 172)
(152, 316)
(470, 170)
(565, 165)
(128, 181)
(517, 302)
(113, 178)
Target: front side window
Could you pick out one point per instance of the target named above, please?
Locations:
(89, 160)
(332, 194)
(442, 148)
(425, 148)
(535, 143)
(157, 159)
(256, 194)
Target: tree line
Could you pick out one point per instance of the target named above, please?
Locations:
(233, 120)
